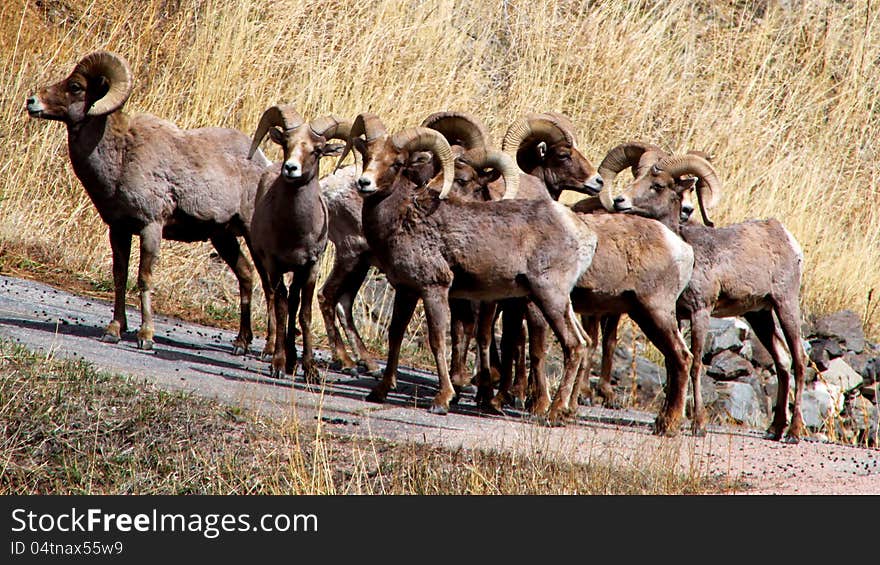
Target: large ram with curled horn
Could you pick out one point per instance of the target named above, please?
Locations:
(751, 269)
(433, 246)
(149, 178)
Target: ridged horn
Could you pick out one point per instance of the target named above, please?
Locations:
(330, 127)
(458, 128)
(564, 122)
(620, 157)
(708, 186)
(283, 116)
(116, 71)
(426, 139)
(367, 124)
(539, 126)
(499, 160)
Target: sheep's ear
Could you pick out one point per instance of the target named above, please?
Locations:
(686, 184)
(276, 135)
(541, 148)
(420, 158)
(332, 149)
(491, 175)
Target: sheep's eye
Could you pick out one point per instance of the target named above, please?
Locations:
(655, 187)
(564, 157)
(461, 181)
(75, 88)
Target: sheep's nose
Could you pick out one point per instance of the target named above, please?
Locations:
(364, 182)
(31, 100)
(619, 199)
(291, 167)
(599, 181)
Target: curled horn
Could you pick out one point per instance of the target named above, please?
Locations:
(540, 126)
(502, 162)
(708, 185)
(565, 123)
(458, 128)
(283, 116)
(425, 139)
(367, 124)
(632, 154)
(116, 71)
(331, 127)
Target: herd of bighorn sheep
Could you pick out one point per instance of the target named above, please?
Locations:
(474, 232)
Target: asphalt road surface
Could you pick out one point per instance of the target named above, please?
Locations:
(199, 359)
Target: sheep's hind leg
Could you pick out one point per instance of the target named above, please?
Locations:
(328, 298)
(151, 239)
(120, 244)
(404, 306)
(227, 247)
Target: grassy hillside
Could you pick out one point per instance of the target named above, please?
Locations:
(784, 95)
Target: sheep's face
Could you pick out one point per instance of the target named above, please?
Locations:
(383, 164)
(68, 100)
(303, 150)
(562, 167)
(659, 196)
(473, 183)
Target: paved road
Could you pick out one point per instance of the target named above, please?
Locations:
(198, 359)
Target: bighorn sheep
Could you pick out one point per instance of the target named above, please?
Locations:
(353, 257)
(290, 226)
(433, 246)
(147, 177)
(639, 268)
(751, 269)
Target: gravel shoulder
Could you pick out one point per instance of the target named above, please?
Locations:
(198, 359)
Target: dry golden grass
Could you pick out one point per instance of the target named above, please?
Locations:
(783, 94)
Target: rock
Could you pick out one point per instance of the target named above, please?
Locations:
(858, 361)
(869, 391)
(819, 402)
(758, 353)
(871, 372)
(845, 326)
(831, 347)
(650, 378)
(740, 402)
(864, 418)
(862, 414)
(840, 374)
(725, 334)
(708, 391)
(819, 355)
(727, 365)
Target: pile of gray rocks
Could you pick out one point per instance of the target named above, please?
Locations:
(739, 382)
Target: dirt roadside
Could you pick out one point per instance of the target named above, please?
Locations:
(198, 359)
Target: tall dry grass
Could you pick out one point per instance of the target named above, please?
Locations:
(783, 94)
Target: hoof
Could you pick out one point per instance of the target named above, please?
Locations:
(492, 407)
(311, 375)
(376, 397)
(239, 350)
(110, 338)
(520, 403)
(145, 344)
(377, 374)
(773, 434)
(438, 409)
(791, 439)
(699, 431)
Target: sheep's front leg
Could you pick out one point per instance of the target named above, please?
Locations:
(310, 277)
(436, 302)
(120, 244)
(151, 239)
